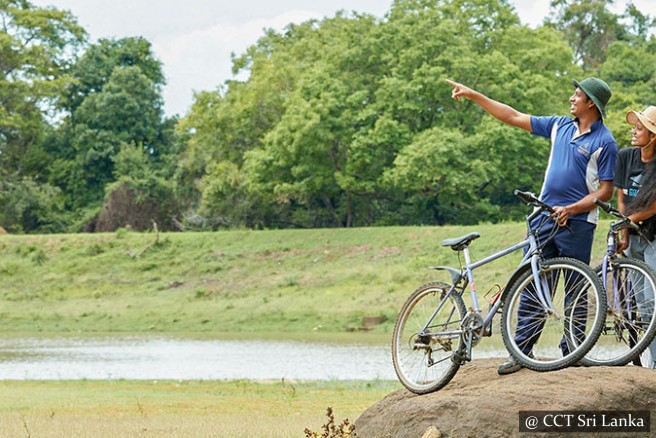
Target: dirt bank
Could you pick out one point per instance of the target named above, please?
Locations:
(479, 403)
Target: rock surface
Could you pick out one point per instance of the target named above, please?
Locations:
(480, 403)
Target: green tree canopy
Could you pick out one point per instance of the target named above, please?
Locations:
(327, 123)
(345, 121)
(98, 64)
(115, 103)
(37, 47)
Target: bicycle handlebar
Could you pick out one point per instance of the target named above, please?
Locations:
(625, 222)
(531, 199)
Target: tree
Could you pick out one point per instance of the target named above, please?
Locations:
(126, 111)
(115, 103)
(309, 150)
(638, 24)
(339, 119)
(589, 26)
(99, 62)
(27, 205)
(36, 49)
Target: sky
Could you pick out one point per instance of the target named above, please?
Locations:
(194, 39)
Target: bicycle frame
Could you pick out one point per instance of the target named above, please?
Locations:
(466, 275)
(611, 253)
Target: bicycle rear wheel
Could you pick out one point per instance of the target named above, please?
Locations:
(560, 335)
(426, 334)
(631, 321)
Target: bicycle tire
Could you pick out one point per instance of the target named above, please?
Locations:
(630, 321)
(553, 340)
(412, 351)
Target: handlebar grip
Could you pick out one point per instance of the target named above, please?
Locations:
(531, 199)
(604, 206)
(625, 222)
(527, 197)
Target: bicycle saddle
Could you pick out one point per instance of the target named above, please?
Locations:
(458, 243)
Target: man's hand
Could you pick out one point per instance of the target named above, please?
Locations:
(460, 91)
(561, 215)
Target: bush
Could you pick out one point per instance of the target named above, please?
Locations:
(137, 204)
(29, 206)
(330, 430)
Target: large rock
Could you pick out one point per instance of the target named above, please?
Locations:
(479, 403)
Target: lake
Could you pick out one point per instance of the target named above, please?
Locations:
(188, 359)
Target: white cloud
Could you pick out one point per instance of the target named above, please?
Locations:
(532, 12)
(200, 60)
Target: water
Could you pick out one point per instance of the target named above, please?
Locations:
(185, 359)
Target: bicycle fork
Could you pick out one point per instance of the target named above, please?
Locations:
(543, 289)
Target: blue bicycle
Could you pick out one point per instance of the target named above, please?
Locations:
(629, 284)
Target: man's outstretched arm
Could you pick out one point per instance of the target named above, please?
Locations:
(498, 110)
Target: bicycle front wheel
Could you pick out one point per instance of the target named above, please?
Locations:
(554, 331)
(631, 321)
(426, 334)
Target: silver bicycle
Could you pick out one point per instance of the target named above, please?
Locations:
(553, 312)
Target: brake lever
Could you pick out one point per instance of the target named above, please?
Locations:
(561, 226)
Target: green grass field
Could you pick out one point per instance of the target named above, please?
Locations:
(297, 281)
(118, 408)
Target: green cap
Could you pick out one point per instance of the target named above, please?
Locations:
(597, 90)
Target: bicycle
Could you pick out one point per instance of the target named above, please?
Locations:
(630, 284)
(434, 333)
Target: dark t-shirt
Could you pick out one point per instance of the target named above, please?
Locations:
(629, 174)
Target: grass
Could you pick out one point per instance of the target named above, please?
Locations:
(117, 408)
(296, 281)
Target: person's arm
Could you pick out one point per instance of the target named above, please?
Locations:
(603, 193)
(624, 234)
(498, 110)
(621, 202)
(644, 214)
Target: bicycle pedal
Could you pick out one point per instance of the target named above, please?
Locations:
(459, 359)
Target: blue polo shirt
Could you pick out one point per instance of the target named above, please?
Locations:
(577, 161)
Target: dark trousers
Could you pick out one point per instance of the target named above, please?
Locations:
(575, 242)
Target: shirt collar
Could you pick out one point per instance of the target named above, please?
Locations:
(596, 125)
